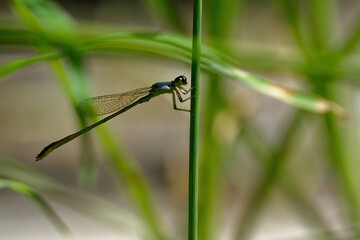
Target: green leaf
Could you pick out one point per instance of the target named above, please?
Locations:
(48, 20)
(20, 63)
(179, 48)
(98, 209)
(26, 190)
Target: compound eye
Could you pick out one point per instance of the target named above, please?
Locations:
(183, 79)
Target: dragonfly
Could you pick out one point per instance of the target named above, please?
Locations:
(116, 104)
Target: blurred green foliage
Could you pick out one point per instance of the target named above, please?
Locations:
(320, 57)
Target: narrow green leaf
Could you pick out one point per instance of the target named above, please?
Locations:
(20, 63)
(14, 36)
(56, 27)
(177, 47)
(47, 19)
(220, 16)
(24, 189)
(98, 209)
(213, 62)
(74, 90)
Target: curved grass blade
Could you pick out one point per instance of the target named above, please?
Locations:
(20, 63)
(56, 29)
(48, 20)
(16, 36)
(26, 190)
(177, 47)
(122, 162)
(97, 208)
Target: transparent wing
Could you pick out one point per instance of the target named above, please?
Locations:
(111, 103)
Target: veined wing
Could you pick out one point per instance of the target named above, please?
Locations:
(111, 103)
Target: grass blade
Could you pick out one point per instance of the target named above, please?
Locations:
(220, 20)
(179, 48)
(24, 189)
(20, 63)
(49, 21)
(35, 14)
(100, 210)
(194, 122)
(213, 62)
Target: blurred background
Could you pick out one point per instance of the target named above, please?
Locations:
(270, 168)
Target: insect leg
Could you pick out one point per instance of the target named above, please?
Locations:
(184, 91)
(174, 104)
(179, 96)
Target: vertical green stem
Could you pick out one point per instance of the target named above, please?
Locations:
(338, 159)
(194, 123)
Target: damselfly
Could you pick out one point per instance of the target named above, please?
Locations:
(119, 103)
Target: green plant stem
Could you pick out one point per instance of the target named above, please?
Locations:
(219, 23)
(194, 122)
(76, 69)
(210, 161)
(75, 91)
(338, 160)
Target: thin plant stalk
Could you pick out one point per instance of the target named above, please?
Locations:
(338, 160)
(219, 24)
(194, 122)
